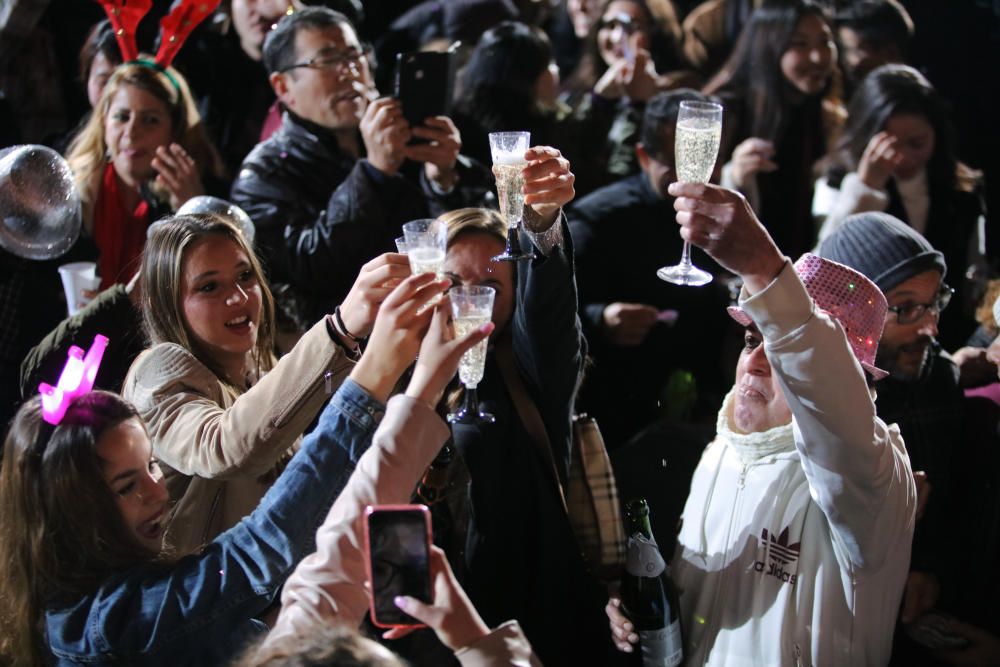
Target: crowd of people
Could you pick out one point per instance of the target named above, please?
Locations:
(274, 366)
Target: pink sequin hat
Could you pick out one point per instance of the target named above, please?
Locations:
(849, 297)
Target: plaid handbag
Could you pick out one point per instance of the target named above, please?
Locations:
(592, 500)
(591, 495)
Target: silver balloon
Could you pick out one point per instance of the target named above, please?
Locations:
(40, 211)
(209, 204)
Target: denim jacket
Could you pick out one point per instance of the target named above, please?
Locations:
(200, 610)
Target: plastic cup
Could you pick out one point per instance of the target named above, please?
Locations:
(77, 277)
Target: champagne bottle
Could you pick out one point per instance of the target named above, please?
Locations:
(649, 597)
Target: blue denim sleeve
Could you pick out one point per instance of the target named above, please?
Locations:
(180, 613)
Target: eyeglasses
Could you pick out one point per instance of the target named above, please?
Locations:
(329, 59)
(908, 313)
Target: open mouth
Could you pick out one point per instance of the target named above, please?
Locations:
(240, 324)
(752, 394)
(153, 528)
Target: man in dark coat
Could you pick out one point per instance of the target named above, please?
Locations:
(326, 198)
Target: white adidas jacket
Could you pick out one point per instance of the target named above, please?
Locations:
(799, 557)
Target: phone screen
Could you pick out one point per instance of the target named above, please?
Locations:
(399, 562)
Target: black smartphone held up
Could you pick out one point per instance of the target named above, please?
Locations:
(425, 82)
(397, 545)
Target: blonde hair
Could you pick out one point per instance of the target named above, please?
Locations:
(468, 220)
(162, 274)
(87, 154)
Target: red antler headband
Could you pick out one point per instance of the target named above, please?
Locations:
(125, 16)
(175, 27)
(178, 24)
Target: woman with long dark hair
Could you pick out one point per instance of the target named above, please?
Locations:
(782, 112)
(898, 154)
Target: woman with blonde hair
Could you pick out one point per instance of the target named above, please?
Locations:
(141, 155)
(223, 415)
(83, 504)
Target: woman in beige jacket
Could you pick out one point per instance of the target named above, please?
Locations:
(223, 415)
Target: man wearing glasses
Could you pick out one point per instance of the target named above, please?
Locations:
(922, 393)
(330, 189)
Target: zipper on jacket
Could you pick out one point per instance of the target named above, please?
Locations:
(737, 503)
(295, 404)
(797, 653)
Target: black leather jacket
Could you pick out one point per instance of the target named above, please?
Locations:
(320, 214)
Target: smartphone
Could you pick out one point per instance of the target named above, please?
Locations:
(397, 546)
(425, 83)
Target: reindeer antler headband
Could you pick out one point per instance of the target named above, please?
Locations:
(175, 27)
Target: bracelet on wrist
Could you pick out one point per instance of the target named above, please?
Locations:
(342, 328)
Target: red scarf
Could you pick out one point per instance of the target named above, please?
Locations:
(120, 234)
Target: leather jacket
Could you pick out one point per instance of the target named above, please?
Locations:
(320, 214)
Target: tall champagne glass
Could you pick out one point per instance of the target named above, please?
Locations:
(696, 147)
(471, 308)
(507, 150)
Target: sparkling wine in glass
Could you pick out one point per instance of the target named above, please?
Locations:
(426, 243)
(507, 150)
(696, 147)
(471, 308)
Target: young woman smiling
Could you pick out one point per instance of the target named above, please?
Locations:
(782, 114)
(86, 579)
(223, 415)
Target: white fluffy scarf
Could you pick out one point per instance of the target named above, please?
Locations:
(751, 447)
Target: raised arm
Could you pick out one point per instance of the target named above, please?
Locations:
(239, 573)
(326, 588)
(547, 338)
(857, 468)
(180, 400)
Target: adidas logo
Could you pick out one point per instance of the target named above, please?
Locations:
(780, 554)
(779, 549)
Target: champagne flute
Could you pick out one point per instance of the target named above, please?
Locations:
(696, 147)
(507, 150)
(471, 308)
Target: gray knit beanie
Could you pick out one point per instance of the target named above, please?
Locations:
(883, 248)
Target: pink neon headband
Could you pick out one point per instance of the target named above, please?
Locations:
(77, 378)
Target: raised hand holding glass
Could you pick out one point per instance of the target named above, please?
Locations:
(696, 148)
(507, 150)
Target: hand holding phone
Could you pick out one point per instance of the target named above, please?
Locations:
(452, 616)
(425, 82)
(397, 546)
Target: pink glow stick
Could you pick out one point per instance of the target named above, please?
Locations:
(77, 378)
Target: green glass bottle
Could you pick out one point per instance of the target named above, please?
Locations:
(649, 597)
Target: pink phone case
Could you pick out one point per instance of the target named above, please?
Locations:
(369, 511)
